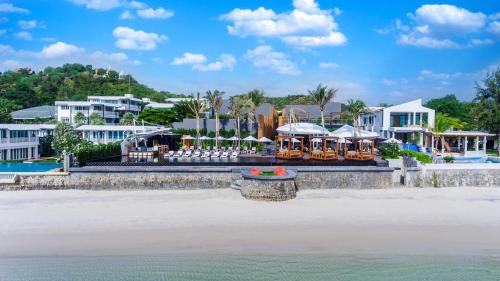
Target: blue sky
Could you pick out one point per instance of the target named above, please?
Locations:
(378, 51)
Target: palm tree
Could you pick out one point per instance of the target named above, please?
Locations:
(127, 119)
(356, 108)
(237, 108)
(80, 119)
(257, 99)
(196, 106)
(321, 96)
(443, 123)
(215, 100)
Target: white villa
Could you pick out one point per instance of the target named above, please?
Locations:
(21, 141)
(103, 134)
(404, 122)
(110, 108)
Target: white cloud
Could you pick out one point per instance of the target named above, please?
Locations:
(440, 26)
(23, 24)
(101, 5)
(151, 13)
(306, 26)
(198, 62)
(24, 35)
(494, 27)
(137, 5)
(226, 61)
(326, 65)
(265, 57)
(128, 38)
(478, 42)
(59, 49)
(425, 41)
(59, 53)
(189, 58)
(9, 8)
(126, 15)
(429, 74)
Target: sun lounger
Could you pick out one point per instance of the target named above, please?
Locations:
(206, 154)
(197, 154)
(187, 154)
(225, 154)
(215, 154)
(179, 153)
(234, 155)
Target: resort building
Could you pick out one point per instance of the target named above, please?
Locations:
(408, 122)
(103, 134)
(22, 141)
(312, 114)
(110, 108)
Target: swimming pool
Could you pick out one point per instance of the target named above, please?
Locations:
(28, 167)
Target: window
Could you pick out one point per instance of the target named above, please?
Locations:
(65, 119)
(417, 118)
(64, 107)
(97, 107)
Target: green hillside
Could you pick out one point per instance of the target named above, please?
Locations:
(25, 88)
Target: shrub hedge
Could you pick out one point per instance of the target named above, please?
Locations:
(98, 151)
(422, 157)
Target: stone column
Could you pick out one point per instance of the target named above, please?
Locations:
(477, 143)
(421, 141)
(409, 119)
(432, 143)
(442, 144)
(9, 154)
(465, 145)
(414, 122)
(484, 145)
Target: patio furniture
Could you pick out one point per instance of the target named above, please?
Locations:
(234, 155)
(206, 154)
(197, 154)
(215, 154)
(225, 154)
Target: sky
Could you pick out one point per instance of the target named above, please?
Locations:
(378, 51)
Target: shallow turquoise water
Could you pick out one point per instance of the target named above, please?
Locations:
(249, 268)
(28, 167)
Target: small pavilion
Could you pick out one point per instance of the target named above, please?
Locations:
(464, 143)
(325, 152)
(362, 145)
(294, 135)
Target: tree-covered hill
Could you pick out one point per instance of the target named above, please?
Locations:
(24, 88)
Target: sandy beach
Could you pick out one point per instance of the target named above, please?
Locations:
(445, 221)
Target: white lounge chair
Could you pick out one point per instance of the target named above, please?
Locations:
(215, 154)
(225, 154)
(187, 154)
(197, 154)
(179, 153)
(206, 154)
(171, 153)
(253, 150)
(234, 155)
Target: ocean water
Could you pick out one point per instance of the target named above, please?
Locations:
(221, 268)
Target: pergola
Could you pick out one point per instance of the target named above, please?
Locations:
(326, 153)
(363, 142)
(364, 148)
(477, 138)
(290, 152)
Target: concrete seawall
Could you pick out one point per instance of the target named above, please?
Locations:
(198, 178)
(454, 175)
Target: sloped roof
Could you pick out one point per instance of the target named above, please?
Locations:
(41, 112)
(313, 109)
(301, 129)
(347, 131)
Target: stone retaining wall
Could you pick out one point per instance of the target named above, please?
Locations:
(457, 175)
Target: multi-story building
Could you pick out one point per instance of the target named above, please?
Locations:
(406, 122)
(21, 141)
(110, 108)
(101, 134)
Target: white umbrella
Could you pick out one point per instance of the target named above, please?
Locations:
(187, 137)
(221, 138)
(233, 138)
(205, 138)
(392, 140)
(264, 139)
(250, 138)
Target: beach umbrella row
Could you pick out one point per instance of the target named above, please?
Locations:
(233, 138)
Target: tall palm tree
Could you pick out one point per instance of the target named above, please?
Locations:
(443, 123)
(257, 99)
(196, 106)
(321, 96)
(238, 106)
(215, 100)
(356, 108)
